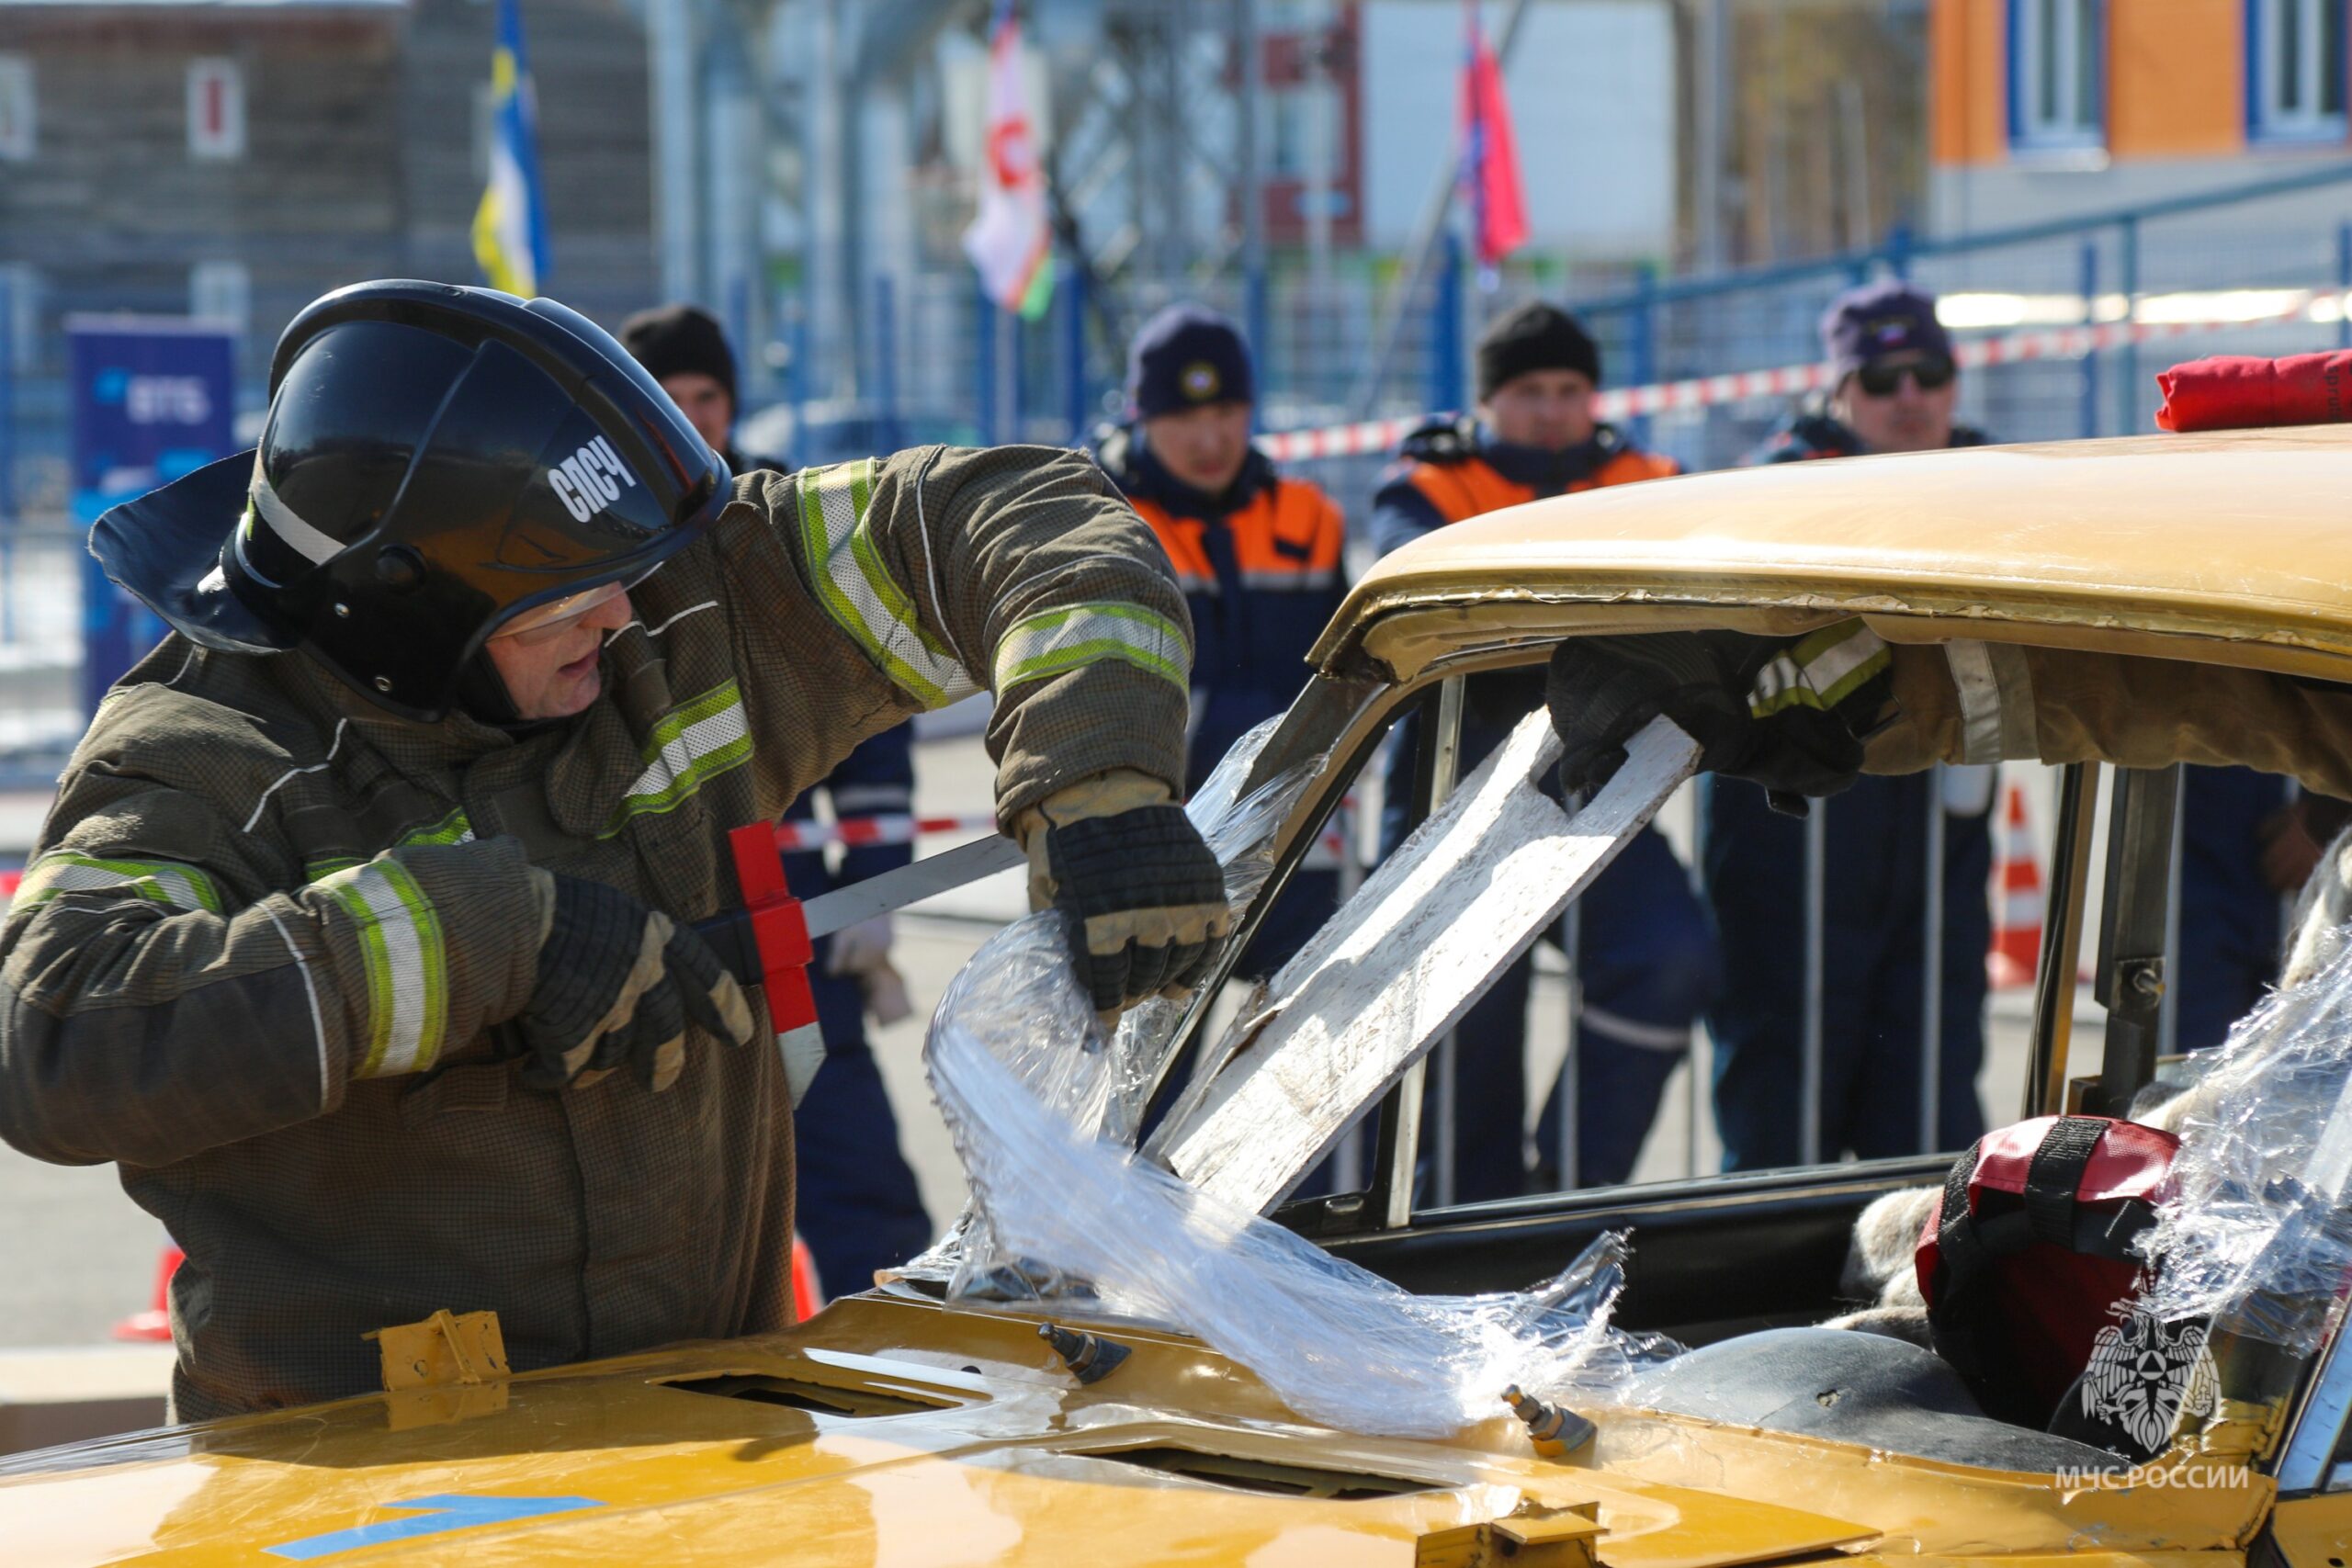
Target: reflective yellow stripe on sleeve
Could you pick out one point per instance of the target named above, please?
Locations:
(1062, 641)
(406, 958)
(1822, 670)
(697, 740)
(157, 881)
(858, 592)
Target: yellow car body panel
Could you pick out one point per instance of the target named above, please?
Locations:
(1004, 1457)
(2234, 540)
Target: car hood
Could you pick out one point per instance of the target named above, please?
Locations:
(892, 1429)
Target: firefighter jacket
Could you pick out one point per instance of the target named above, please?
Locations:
(1453, 469)
(258, 955)
(1260, 568)
(1985, 702)
(1813, 434)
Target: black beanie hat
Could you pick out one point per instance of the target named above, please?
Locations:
(1184, 358)
(1536, 336)
(675, 338)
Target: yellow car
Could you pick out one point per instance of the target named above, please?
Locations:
(900, 1426)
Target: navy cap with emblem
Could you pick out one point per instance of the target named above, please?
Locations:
(1187, 356)
(1880, 320)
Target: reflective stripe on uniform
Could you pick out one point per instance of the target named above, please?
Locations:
(1065, 640)
(451, 830)
(858, 592)
(157, 881)
(1821, 671)
(697, 740)
(407, 962)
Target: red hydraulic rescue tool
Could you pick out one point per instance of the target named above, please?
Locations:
(769, 941)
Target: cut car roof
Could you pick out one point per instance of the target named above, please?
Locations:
(2233, 548)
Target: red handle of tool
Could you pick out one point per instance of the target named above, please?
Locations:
(779, 929)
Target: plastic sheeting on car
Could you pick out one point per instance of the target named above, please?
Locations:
(1044, 1112)
(2258, 1239)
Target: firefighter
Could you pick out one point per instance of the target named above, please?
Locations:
(859, 1206)
(1895, 391)
(1257, 555)
(359, 935)
(1895, 710)
(1646, 957)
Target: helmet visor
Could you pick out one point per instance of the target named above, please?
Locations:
(543, 622)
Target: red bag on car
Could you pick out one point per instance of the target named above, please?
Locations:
(2029, 1255)
(2238, 392)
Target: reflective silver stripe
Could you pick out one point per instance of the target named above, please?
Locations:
(858, 591)
(1062, 641)
(333, 747)
(698, 740)
(1980, 701)
(296, 534)
(1633, 1031)
(1291, 581)
(157, 881)
(309, 989)
(870, 798)
(407, 965)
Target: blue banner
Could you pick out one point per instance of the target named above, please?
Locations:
(153, 400)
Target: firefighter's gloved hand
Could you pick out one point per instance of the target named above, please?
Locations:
(1142, 891)
(617, 982)
(1789, 714)
(1601, 690)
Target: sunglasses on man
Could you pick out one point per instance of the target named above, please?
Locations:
(1931, 373)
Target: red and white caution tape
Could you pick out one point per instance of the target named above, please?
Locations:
(1792, 381)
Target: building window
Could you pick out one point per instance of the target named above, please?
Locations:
(20, 313)
(16, 108)
(216, 109)
(2057, 73)
(221, 291)
(2295, 70)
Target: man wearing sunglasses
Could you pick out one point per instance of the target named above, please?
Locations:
(361, 933)
(1896, 390)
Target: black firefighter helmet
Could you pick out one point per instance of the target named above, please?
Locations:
(438, 461)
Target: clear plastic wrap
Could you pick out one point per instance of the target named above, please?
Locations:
(1044, 1112)
(2258, 1239)
(1339, 1345)
(1020, 994)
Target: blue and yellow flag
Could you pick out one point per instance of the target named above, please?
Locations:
(510, 224)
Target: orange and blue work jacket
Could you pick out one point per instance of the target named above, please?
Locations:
(1260, 568)
(1452, 469)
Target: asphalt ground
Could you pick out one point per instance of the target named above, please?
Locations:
(76, 1255)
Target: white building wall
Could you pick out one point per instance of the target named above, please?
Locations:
(1592, 99)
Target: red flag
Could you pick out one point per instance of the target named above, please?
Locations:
(1490, 159)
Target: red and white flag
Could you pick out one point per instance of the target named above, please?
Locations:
(1010, 241)
(1490, 157)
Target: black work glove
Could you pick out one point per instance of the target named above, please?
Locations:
(619, 982)
(1791, 715)
(1144, 900)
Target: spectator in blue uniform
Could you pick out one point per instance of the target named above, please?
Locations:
(1257, 554)
(1646, 956)
(858, 1209)
(1897, 385)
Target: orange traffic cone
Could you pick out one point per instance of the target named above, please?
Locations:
(2016, 952)
(807, 1295)
(155, 1323)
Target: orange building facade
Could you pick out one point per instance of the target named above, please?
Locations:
(2039, 105)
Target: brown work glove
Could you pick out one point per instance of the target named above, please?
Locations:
(1141, 890)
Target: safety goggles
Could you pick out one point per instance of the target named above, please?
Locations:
(544, 622)
(1931, 373)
